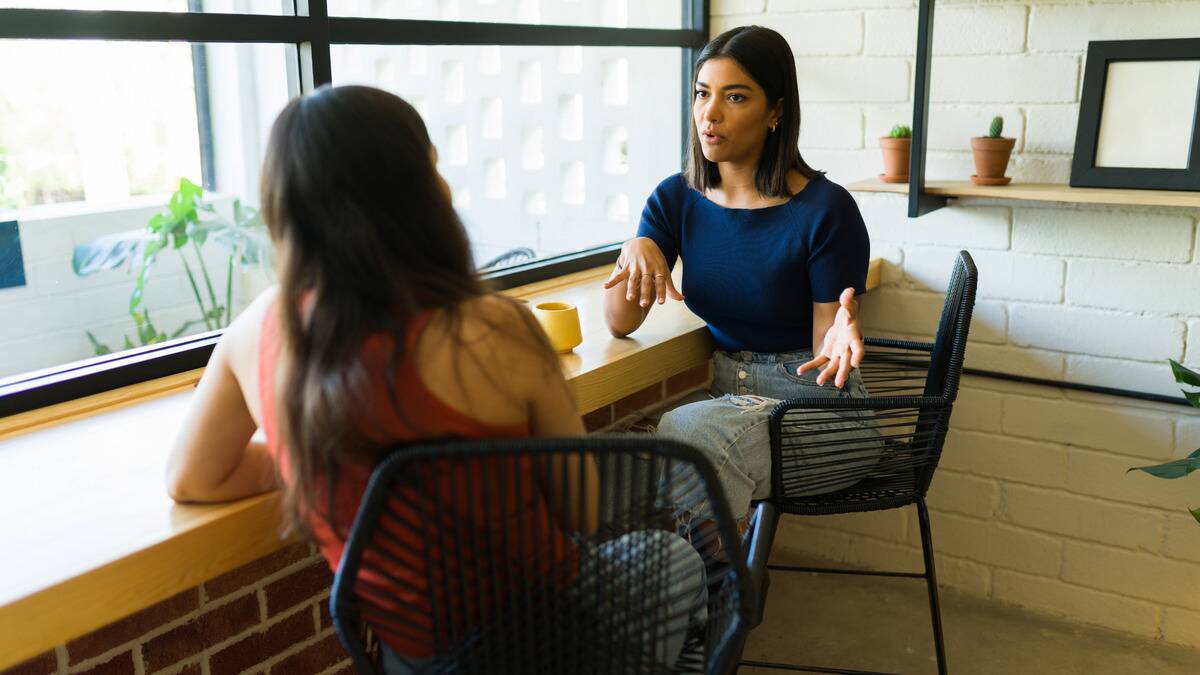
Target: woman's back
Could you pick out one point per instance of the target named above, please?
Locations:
(449, 384)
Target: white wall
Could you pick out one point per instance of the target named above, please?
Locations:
(1031, 503)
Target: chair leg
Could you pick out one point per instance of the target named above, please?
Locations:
(935, 611)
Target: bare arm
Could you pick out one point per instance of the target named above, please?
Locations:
(571, 483)
(822, 321)
(214, 458)
(640, 277)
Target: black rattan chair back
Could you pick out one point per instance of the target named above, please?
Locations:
(856, 454)
(462, 557)
(950, 344)
(844, 455)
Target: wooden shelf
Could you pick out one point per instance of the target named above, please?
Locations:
(1039, 192)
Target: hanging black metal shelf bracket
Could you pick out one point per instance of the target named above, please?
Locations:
(920, 203)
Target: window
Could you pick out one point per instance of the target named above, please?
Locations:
(122, 128)
(91, 160)
(223, 6)
(549, 150)
(611, 13)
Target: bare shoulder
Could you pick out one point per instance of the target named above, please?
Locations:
(493, 322)
(239, 347)
(244, 332)
(487, 358)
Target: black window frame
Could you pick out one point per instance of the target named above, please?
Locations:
(311, 30)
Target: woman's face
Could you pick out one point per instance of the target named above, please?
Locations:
(731, 112)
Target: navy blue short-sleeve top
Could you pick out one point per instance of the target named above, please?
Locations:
(753, 274)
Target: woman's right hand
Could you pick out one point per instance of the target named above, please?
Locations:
(643, 265)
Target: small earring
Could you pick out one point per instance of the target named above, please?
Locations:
(773, 127)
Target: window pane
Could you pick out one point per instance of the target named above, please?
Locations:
(227, 6)
(548, 150)
(614, 13)
(94, 139)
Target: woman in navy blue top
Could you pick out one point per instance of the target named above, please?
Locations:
(773, 253)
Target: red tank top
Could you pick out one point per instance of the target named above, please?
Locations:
(405, 591)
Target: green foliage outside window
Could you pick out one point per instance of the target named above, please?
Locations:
(185, 225)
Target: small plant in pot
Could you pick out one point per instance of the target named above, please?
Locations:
(897, 148)
(991, 155)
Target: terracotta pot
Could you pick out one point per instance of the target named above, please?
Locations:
(991, 159)
(896, 152)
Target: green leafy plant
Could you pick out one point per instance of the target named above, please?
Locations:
(996, 128)
(1180, 467)
(184, 226)
(900, 131)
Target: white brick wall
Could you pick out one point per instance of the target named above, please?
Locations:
(810, 33)
(1032, 504)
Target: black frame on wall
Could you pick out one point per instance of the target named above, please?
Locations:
(311, 30)
(1084, 172)
(921, 203)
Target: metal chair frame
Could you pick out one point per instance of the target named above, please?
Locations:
(735, 587)
(920, 382)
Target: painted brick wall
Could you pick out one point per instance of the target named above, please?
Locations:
(1031, 504)
(270, 617)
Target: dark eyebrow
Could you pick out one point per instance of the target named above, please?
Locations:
(729, 87)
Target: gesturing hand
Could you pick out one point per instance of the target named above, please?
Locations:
(643, 264)
(842, 348)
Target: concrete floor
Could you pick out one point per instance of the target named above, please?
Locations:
(883, 624)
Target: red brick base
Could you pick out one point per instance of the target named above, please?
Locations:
(268, 617)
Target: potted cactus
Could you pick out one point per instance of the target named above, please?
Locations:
(991, 155)
(897, 148)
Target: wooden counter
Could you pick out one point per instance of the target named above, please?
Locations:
(90, 535)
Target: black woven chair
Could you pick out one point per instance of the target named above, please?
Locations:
(819, 444)
(533, 595)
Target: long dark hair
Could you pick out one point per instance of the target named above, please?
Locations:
(367, 239)
(766, 56)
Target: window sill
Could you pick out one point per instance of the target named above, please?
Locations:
(84, 502)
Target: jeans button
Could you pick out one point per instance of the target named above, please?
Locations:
(741, 374)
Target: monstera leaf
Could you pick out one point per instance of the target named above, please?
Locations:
(109, 252)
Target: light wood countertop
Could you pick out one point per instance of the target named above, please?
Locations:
(91, 536)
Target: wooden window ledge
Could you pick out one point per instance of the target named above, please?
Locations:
(94, 537)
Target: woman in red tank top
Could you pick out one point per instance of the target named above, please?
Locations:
(378, 333)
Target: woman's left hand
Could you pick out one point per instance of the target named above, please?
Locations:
(842, 348)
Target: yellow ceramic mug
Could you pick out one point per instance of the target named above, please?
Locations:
(560, 320)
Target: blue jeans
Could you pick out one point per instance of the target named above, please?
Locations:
(609, 576)
(732, 430)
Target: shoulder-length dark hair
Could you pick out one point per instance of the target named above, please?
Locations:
(766, 56)
(367, 239)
